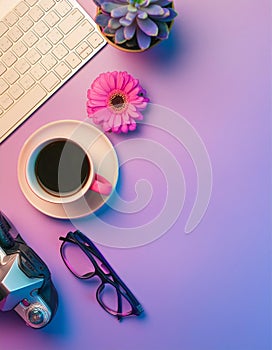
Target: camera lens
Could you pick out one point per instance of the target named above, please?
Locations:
(37, 316)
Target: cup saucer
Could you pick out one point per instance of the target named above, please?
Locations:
(104, 158)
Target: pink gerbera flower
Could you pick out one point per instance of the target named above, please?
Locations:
(115, 100)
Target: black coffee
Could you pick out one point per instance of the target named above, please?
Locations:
(62, 167)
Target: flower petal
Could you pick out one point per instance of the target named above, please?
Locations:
(111, 81)
(101, 80)
(131, 85)
(117, 120)
(119, 80)
(97, 88)
(132, 126)
(92, 95)
(124, 128)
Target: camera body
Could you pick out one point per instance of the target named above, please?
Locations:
(25, 280)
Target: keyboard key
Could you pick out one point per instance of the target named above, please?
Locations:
(2, 68)
(84, 50)
(47, 4)
(16, 91)
(31, 2)
(22, 66)
(41, 28)
(11, 18)
(5, 44)
(33, 56)
(62, 70)
(83, 46)
(51, 19)
(63, 7)
(54, 36)
(30, 39)
(3, 28)
(19, 49)
(21, 9)
(73, 60)
(95, 40)
(36, 13)
(26, 103)
(26, 23)
(38, 71)
(60, 51)
(11, 76)
(9, 58)
(84, 54)
(5, 101)
(43, 46)
(71, 21)
(49, 62)
(15, 34)
(76, 36)
(27, 81)
(50, 81)
(3, 86)
(42, 43)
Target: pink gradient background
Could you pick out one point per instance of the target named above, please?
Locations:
(210, 290)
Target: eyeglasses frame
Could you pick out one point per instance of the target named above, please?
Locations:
(88, 247)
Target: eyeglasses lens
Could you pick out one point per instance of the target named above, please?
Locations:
(76, 260)
(110, 297)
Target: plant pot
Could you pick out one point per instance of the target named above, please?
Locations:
(132, 45)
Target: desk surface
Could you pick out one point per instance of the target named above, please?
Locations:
(207, 290)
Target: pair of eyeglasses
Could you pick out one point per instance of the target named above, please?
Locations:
(85, 261)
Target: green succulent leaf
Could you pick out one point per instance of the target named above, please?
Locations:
(131, 16)
(125, 22)
(119, 11)
(109, 31)
(130, 31)
(154, 10)
(142, 14)
(114, 23)
(163, 30)
(109, 6)
(148, 26)
(143, 40)
(119, 36)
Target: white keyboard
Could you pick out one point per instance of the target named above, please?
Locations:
(42, 44)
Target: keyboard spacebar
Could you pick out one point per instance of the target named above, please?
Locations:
(20, 109)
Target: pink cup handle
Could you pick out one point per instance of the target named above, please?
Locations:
(101, 185)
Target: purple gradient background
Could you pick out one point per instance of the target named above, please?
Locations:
(210, 290)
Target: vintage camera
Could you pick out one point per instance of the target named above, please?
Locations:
(25, 280)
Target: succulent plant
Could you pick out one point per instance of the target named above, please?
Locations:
(135, 21)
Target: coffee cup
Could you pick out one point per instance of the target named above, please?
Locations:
(60, 170)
